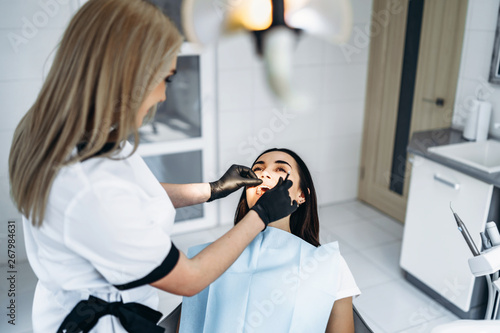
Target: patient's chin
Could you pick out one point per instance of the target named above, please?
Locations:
(251, 203)
(251, 199)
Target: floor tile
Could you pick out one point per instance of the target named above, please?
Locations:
(168, 302)
(363, 210)
(427, 326)
(397, 305)
(363, 235)
(326, 236)
(184, 241)
(390, 225)
(365, 272)
(386, 257)
(220, 230)
(370, 322)
(337, 214)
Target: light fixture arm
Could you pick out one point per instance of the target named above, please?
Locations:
(278, 19)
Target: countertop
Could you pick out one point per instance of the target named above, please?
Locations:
(420, 141)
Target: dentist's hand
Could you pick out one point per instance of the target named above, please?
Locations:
(235, 177)
(275, 203)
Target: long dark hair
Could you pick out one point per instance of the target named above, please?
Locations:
(304, 222)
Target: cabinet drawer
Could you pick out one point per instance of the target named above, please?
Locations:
(433, 249)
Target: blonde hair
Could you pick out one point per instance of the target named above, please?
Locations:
(111, 56)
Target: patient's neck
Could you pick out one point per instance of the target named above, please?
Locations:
(283, 224)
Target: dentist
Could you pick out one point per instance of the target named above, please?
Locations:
(96, 221)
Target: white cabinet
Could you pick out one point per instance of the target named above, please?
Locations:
(433, 249)
(179, 144)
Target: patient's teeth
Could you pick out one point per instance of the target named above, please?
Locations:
(262, 189)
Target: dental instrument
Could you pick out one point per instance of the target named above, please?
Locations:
(463, 229)
(485, 240)
(492, 231)
(494, 236)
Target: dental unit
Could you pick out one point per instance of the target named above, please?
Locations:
(485, 263)
(463, 229)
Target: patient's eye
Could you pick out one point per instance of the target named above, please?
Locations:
(256, 169)
(281, 169)
(169, 78)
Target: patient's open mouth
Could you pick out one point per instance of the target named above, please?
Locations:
(262, 189)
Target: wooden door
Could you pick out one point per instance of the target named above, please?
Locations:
(440, 49)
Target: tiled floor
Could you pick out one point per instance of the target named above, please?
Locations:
(369, 241)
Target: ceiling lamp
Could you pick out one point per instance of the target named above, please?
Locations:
(275, 24)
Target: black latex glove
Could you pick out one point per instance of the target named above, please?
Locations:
(275, 203)
(235, 177)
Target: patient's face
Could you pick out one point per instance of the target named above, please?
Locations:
(270, 167)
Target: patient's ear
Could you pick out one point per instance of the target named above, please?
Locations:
(302, 198)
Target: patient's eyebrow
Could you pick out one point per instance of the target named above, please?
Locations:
(282, 162)
(277, 162)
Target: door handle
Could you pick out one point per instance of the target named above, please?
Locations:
(440, 179)
(438, 101)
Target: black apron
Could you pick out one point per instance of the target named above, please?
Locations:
(134, 317)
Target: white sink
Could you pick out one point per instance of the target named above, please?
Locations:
(483, 155)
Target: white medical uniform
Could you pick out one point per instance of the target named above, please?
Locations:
(107, 223)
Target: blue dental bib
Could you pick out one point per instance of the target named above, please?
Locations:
(280, 283)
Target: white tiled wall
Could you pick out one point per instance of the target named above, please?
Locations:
(327, 135)
(477, 51)
(29, 33)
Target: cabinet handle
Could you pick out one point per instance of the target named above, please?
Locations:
(438, 101)
(446, 182)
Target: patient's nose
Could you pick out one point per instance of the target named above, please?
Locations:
(265, 174)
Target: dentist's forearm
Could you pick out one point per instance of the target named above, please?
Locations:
(216, 258)
(190, 276)
(183, 195)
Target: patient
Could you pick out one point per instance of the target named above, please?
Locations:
(284, 281)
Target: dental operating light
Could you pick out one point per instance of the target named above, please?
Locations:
(275, 24)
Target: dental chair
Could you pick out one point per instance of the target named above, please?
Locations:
(171, 321)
